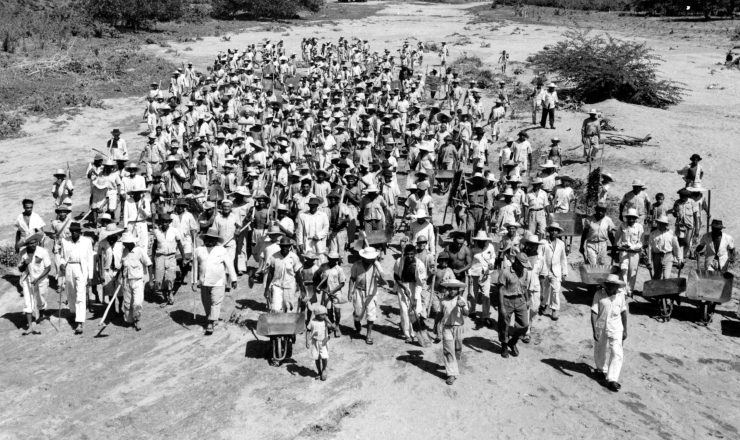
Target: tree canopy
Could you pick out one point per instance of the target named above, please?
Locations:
(265, 8)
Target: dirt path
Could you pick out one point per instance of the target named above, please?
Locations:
(680, 381)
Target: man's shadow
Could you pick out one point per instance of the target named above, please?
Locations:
(415, 357)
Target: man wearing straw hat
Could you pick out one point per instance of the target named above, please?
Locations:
(372, 212)
(453, 310)
(136, 212)
(663, 248)
(35, 265)
(284, 278)
(548, 175)
(629, 243)
(135, 264)
(719, 246)
(477, 191)
(598, 233)
(514, 282)
(366, 276)
(214, 264)
(312, 229)
(116, 146)
(481, 267)
(609, 325)
(27, 223)
(76, 263)
(521, 152)
(167, 240)
(410, 275)
(228, 223)
(637, 199)
(563, 198)
(549, 103)
(555, 270)
(422, 227)
(687, 214)
(537, 200)
(591, 135)
(62, 187)
(109, 253)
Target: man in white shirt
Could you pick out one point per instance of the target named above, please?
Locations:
(167, 241)
(549, 103)
(135, 265)
(609, 325)
(27, 223)
(630, 243)
(283, 278)
(312, 229)
(214, 262)
(554, 270)
(35, 265)
(76, 261)
(116, 146)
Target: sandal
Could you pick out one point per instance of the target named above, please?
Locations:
(450, 380)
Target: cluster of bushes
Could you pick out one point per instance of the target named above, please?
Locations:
(264, 8)
(656, 7)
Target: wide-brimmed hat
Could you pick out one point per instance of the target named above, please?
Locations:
(607, 176)
(138, 188)
(372, 188)
(128, 237)
(533, 238)
(662, 219)
(632, 212)
(60, 172)
(554, 225)
(242, 191)
(453, 284)
(369, 253)
(285, 241)
(110, 229)
(508, 193)
(63, 208)
(512, 224)
(333, 255)
(522, 258)
(717, 224)
(593, 111)
(695, 157)
(548, 164)
(211, 232)
(551, 85)
(100, 183)
(482, 236)
(615, 280)
(637, 182)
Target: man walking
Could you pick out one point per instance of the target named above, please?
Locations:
(609, 325)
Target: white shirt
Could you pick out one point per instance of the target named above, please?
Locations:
(37, 263)
(284, 269)
(310, 225)
(167, 241)
(609, 312)
(212, 266)
(80, 253)
(28, 229)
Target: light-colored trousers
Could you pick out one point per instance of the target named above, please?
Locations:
(608, 355)
(629, 262)
(404, 302)
(596, 252)
(133, 299)
(35, 296)
(212, 297)
(480, 294)
(551, 292)
(283, 300)
(76, 291)
(365, 305)
(452, 336)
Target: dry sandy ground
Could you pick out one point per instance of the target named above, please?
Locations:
(168, 381)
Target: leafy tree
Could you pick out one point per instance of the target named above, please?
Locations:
(134, 13)
(265, 8)
(602, 67)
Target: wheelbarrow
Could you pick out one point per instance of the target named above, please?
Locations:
(444, 177)
(665, 291)
(281, 328)
(595, 274)
(709, 288)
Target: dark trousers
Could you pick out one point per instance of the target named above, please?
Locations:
(516, 306)
(545, 113)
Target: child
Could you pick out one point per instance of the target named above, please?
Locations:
(333, 280)
(318, 340)
(454, 308)
(555, 153)
(444, 274)
(656, 210)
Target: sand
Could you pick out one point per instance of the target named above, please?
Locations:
(679, 380)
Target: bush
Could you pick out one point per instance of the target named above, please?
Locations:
(54, 105)
(600, 68)
(264, 8)
(8, 257)
(10, 126)
(134, 13)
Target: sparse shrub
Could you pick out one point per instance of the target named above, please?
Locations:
(10, 126)
(602, 67)
(8, 256)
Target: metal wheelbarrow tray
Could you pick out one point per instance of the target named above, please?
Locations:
(281, 324)
(657, 288)
(711, 286)
(593, 274)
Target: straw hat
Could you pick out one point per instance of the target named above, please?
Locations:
(372, 188)
(369, 253)
(554, 225)
(482, 236)
(632, 212)
(128, 237)
(110, 229)
(453, 284)
(614, 279)
(548, 164)
(211, 232)
(521, 257)
(662, 219)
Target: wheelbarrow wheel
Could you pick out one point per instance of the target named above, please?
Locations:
(707, 313)
(666, 308)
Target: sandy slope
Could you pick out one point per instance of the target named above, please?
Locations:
(679, 380)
